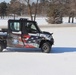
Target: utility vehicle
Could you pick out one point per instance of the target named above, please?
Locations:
(25, 33)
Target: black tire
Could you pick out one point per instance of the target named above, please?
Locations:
(1, 47)
(46, 47)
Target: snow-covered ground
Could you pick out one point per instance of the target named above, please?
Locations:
(65, 20)
(40, 20)
(60, 61)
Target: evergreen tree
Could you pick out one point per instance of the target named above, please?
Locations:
(3, 9)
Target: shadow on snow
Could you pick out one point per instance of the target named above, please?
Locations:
(54, 50)
(22, 50)
(63, 49)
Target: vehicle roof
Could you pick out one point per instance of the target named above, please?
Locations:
(21, 19)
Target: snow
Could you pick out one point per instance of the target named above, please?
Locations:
(64, 36)
(65, 20)
(37, 64)
(40, 20)
(60, 61)
(3, 23)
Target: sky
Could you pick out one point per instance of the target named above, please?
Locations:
(5, 1)
(8, 1)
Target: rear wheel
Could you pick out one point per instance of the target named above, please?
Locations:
(46, 47)
(1, 47)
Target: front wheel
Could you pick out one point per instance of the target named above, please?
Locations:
(46, 47)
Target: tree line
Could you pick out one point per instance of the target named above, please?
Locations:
(60, 8)
(21, 7)
(53, 9)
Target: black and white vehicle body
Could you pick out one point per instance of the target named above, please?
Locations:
(24, 33)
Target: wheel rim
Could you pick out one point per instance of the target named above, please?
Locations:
(45, 48)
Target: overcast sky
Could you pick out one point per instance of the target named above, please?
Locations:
(10, 0)
(5, 1)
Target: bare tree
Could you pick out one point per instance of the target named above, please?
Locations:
(55, 11)
(29, 3)
(36, 10)
(65, 7)
(71, 9)
(29, 8)
(15, 7)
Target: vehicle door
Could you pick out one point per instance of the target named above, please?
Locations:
(32, 39)
(14, 34)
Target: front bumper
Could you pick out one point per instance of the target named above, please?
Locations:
(52, 41)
